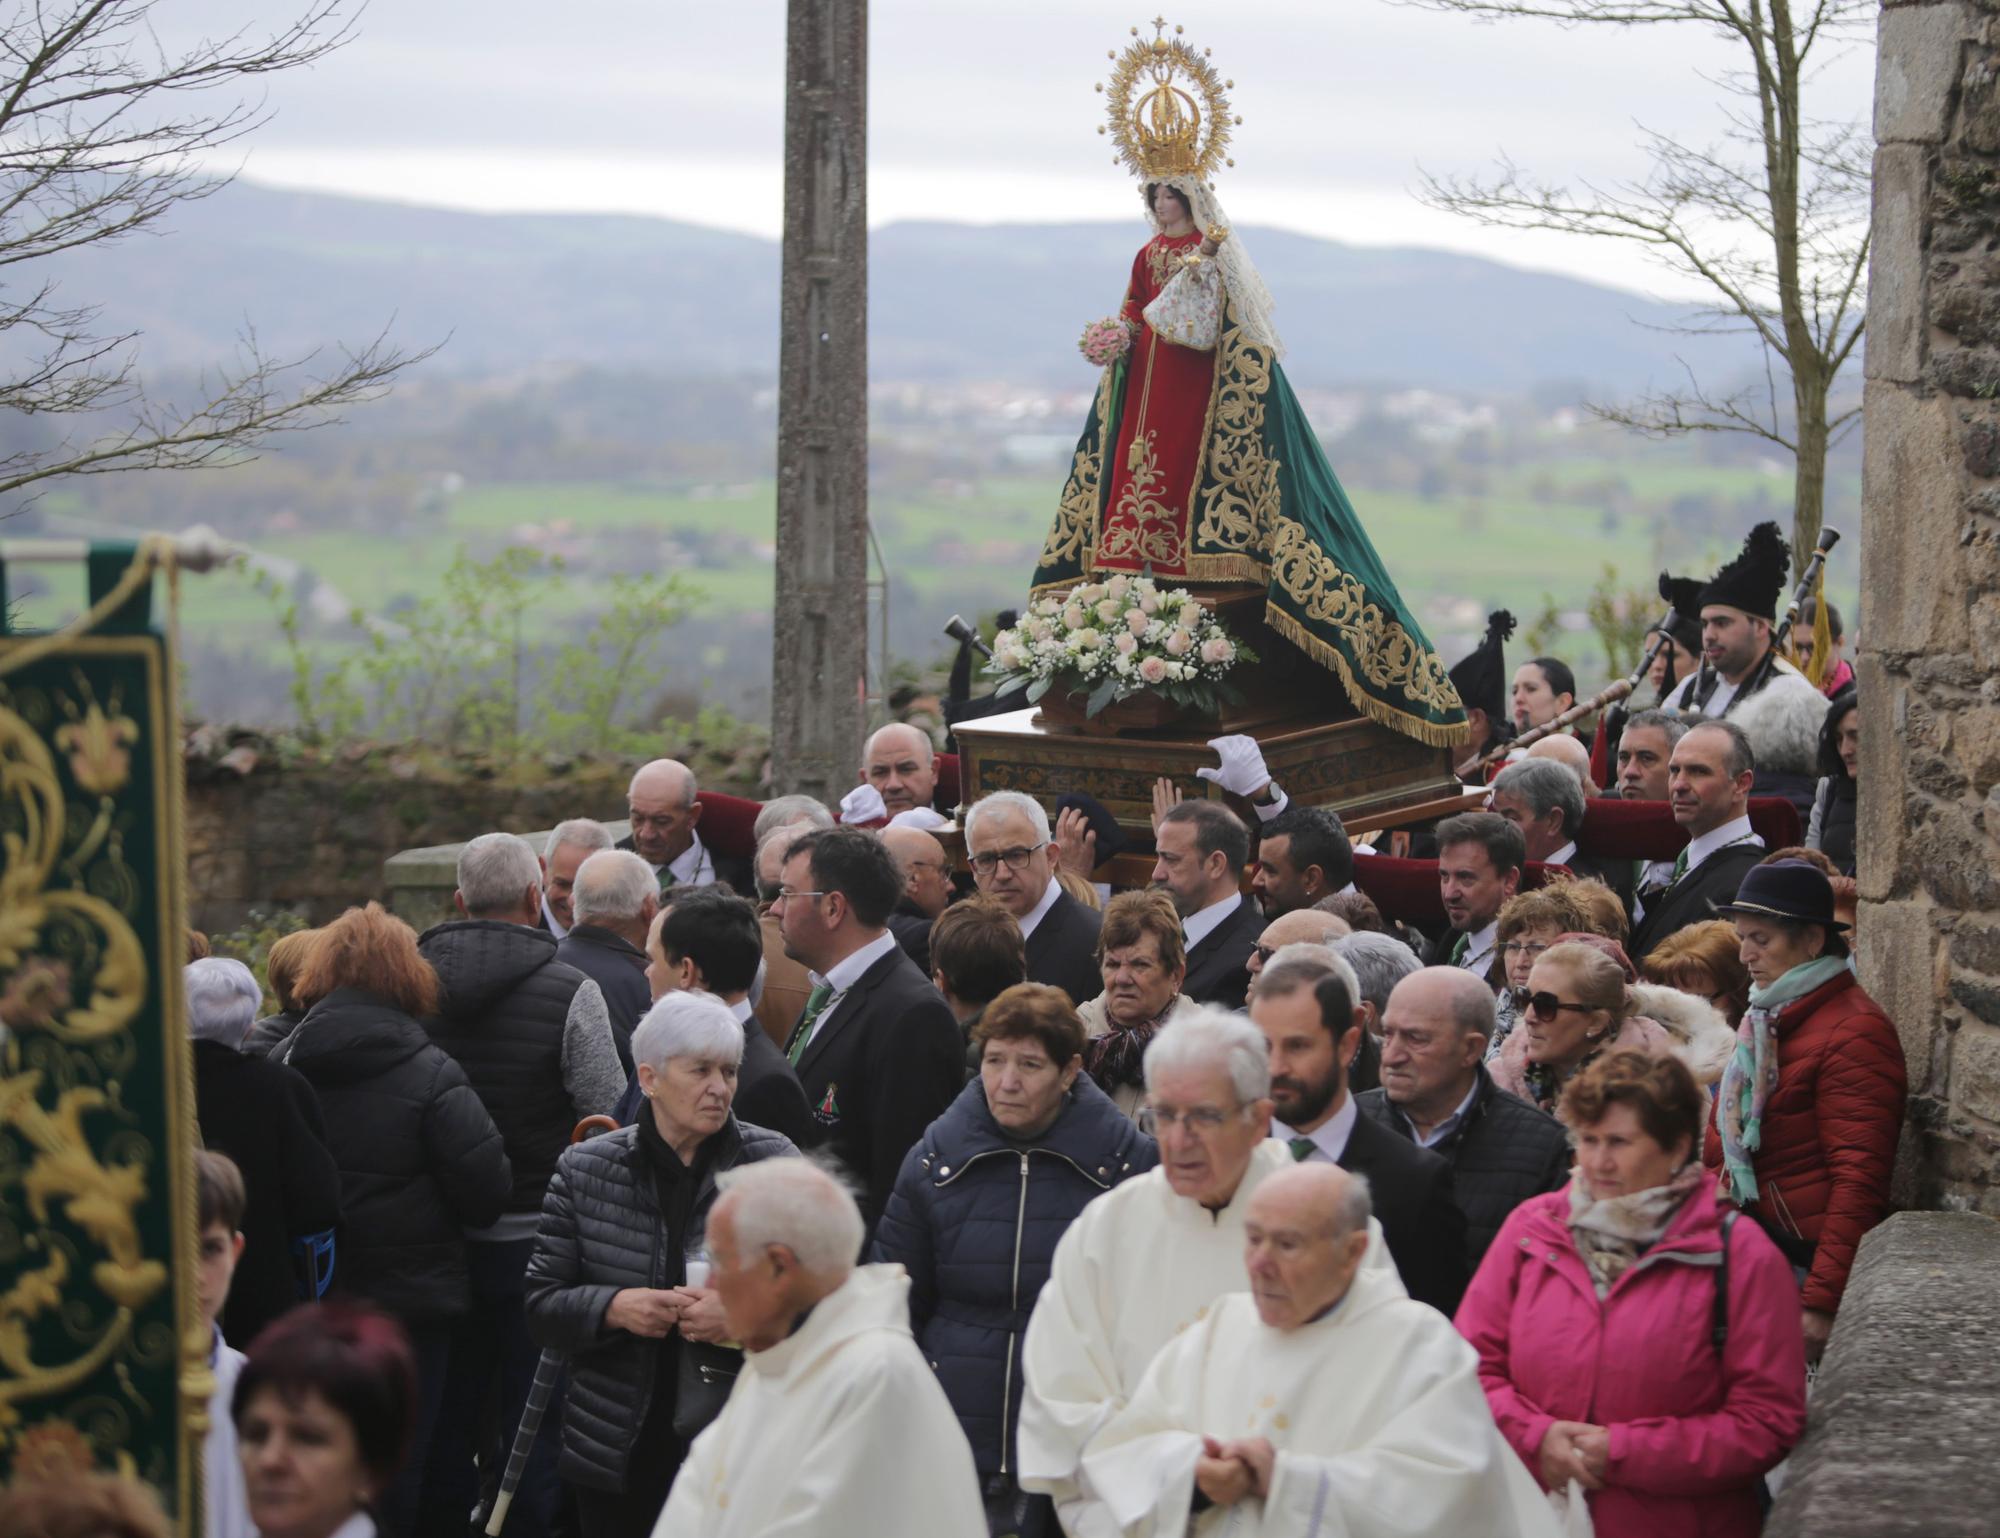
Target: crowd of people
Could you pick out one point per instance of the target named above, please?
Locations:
(839, 1185)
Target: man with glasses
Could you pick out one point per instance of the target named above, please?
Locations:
(662, 805)
(876, 1049)
(927, 890)
(1013, 860)
(1154, 1254)
(1437, 1093)
(1304, 1006)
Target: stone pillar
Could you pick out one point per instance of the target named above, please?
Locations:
(820, 640)
(1929, 662)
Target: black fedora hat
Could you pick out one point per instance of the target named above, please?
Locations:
(1786, 889)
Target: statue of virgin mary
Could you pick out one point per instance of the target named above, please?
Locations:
(1197, 461)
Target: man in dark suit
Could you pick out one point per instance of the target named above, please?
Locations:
(665, 818)
(876, 1048)
(1544, 799)
(612, 901)
(1480, 855)
(927, 891)
(1708, 785)
(1437, 1093)
(568, 845)
(1304, 1003)
(710, 940)
(1203, 847)
(1014, 860)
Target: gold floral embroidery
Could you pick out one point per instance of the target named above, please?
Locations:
(1162, 261)
(1143, 528)
(1238, 499)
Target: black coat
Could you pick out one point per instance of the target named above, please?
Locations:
(975, 1219)
(1062, 951)
(1502, 1153)
(1420, 1217)
(602, 1231)
(1694, 897)
(264, 1116)
(269, 1031)
(879, 1070)
(1218, 969)
(913, 932)
(1616, 874)
(420, 1160)
(619, 969)
(733, 871)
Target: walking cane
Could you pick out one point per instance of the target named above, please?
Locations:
(547, 1370)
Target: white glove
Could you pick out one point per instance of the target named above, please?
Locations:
(863, 804)
(923, 818)
(1242, 772)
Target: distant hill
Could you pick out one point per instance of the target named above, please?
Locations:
(949, 302)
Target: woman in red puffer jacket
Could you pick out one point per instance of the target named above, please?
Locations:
(1805, 1127)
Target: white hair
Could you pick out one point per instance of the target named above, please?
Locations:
(222, 999)
(1356, 1206)
(796, 1204)
(1303, 965)
(1007, 801)
(494, 870)
(612, 884)
(787, 811)
(1211, 1038)
(1380, 962)
(577, 833)
(687, 1023)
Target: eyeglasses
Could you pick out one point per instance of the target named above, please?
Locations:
(1546, 1006)
(1524, 947)
(786, 894)
(1201, 1120)
(992, 859)
(1263, 953)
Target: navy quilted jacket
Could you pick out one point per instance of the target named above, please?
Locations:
(975, 1219)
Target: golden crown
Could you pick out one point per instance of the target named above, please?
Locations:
(1166, 108)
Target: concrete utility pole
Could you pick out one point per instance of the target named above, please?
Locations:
(820, 645)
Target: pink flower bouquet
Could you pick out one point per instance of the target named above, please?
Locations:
(1105, 341)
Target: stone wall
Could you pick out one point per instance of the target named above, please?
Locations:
(1929, 931)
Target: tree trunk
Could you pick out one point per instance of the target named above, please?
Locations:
(1810, 385)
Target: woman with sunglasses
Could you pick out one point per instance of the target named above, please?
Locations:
(1805, 1128)
(1530, 922)
(1575, 1006)
(1634, 1342)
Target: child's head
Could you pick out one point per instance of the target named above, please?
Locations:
(219, 1203)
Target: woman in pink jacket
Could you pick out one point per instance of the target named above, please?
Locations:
(1618, 1347)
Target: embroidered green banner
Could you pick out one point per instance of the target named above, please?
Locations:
(102, 1360)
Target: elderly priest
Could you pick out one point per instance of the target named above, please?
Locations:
(1322, 1404)
(1150, 1258)
(836, 1425)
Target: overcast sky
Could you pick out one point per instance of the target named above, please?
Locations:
(984, 113)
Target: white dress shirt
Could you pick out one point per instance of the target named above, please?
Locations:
(555, 925)
(1035, 914)
(1329, 1138)
(1718, 702)
(692, 866)
(1698, 850)
(1200, 924)
(1479, 948)
(848, 971)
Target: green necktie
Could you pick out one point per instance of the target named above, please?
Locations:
(1302, 1148)
(666, 879)
(1680, 868)
(1459, 947)
(816, 1002)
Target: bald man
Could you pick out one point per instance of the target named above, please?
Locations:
(665, 814)
(927, 890)
(1436, 1092)
(899, 763)
(1570, 752)
(1322, 1400)
(1302, 926)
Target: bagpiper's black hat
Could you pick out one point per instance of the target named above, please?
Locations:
(1753, 581)
(1683, 595)
(1481, 674)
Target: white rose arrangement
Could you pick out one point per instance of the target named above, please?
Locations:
(1123, 636)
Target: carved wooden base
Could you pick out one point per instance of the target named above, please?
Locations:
(1358, 768)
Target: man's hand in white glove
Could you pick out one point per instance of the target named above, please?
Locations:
(1243, 774)
(864, 803)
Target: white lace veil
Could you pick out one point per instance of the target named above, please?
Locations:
(1252, 300)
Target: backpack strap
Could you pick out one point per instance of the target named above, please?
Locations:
(1719, 1329)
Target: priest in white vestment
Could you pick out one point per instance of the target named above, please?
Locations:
(1323, 1403)
(1150, 1258)
(836, 1425)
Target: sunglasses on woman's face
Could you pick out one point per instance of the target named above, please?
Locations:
(1544, 1006)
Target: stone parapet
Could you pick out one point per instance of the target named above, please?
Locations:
(1905, 1401)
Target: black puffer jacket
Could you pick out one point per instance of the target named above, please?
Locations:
(975, 1219)
(602, 1232)
(504, 1002)
(419, 1157)
(268, 1032)
(1504, 1152)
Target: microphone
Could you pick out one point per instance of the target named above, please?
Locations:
(965, 635)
